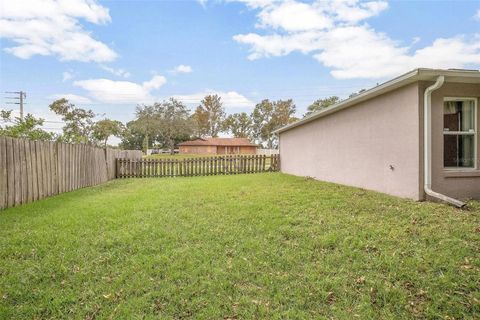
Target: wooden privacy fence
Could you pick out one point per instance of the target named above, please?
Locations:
(145, 168)
(33, 170)
(111, 156)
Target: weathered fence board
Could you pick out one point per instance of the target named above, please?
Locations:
(3, 173)
(111, 155)
(18, 178)
(230, 164)
(33, 173)
(33, 170)
(10, 172)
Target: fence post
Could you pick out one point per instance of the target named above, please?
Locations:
(117, 168)
(3, 173)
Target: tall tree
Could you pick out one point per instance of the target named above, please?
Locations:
(29, 127)
(146, 123)
(104, 129)
(321, 104)
(239, 124)
(200, 122)
(174, 123)
(209, 116)
(284, 113)
(78, 122)
(269, 116)
(262, 117)
(132, 138)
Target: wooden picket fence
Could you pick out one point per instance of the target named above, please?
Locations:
(33, 170)
(204, 166)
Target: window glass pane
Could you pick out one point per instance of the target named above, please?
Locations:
(459, 151)
(459, 116)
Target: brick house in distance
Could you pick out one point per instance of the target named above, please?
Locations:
(218, 146)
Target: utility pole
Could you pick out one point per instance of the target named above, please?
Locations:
(20, 98)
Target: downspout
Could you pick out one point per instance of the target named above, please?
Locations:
(427, 148)
(279, 163)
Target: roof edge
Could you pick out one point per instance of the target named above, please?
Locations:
(385, 87)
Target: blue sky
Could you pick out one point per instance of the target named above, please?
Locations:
(110, 55)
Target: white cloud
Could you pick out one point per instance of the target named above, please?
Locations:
(293, 16)
(416, 40)
(74, 98)
(182, 69)
(66, 76)
(255, 4)
(155, 83)
(353, 11)
(203, 3)
(335, 34)
(376, 56)
(230, 99)
(277, 44)
(119, 92)
(52, 27)
(117, 72)
(110, 91)
(477, 16)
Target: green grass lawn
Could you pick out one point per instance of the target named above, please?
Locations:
(268, 246)
(175, 156)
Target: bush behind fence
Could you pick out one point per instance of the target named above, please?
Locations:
(33, 170)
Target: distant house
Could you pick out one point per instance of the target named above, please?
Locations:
(415, 136)
(218, 146)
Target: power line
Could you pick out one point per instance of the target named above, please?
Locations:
(49, 121)
(20, 98)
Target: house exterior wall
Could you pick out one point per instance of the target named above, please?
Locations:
(209, 150)
(461, 184)
(248, 150)
(357, 145)
(198, 149)
(236, 149)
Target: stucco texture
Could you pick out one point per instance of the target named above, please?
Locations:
(373, 145)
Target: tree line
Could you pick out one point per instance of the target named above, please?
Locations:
(162, 124)
(79, 125)
(170, 122)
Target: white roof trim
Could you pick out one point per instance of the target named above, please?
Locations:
(407, 78)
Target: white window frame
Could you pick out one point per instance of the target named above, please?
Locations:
(457, 133)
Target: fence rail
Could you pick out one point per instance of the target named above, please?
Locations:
(33, 170)
(128, 168)
(268, 152)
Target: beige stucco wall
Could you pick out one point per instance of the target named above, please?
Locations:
(358, 145)
(456, 184)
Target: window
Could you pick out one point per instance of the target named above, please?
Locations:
(459, 133)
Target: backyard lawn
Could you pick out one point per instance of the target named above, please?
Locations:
(268, 246)
(178, 156)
